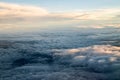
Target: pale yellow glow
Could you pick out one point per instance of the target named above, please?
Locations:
(20, 10)
(21, 16)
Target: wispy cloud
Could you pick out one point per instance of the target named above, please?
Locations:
(7, 9)
(15, 14)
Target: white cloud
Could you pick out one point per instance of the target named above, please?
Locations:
(93, 50)
(92, 57)
(7, 9)
(34, 16)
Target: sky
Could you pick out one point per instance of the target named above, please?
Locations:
(68, 5)
(24, 14)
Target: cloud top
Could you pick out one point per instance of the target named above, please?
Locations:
(92, 57)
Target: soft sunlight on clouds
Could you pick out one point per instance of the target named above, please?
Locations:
(13, 10)
(32, 16)
(95, 50)
(100, 14)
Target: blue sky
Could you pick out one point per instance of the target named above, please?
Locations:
(69, 5)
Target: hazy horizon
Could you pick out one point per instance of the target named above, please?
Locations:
(59, 40)
(26, 15)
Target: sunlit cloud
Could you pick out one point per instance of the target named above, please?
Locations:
(99, 14)
(13, 10)
(35, 16)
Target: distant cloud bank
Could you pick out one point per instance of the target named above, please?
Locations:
(17, 16)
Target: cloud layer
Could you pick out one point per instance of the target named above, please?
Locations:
(33, 16)
(28, 62)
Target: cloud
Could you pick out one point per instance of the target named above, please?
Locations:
(66, 64)
(99, 14)
(15, 10)
(33, 16)
(95, 50)
(92, 57)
